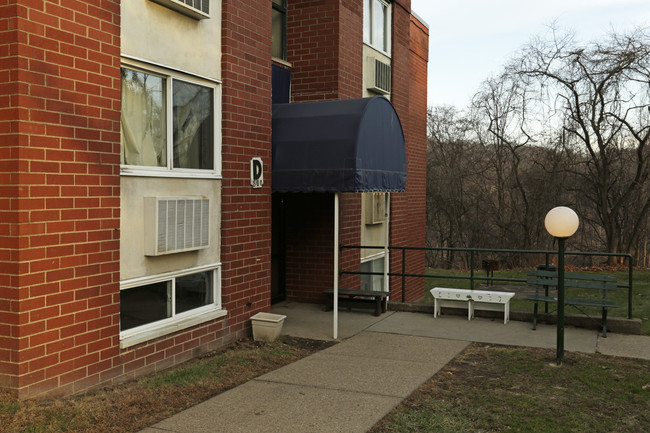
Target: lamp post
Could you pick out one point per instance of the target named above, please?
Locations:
(561, 222)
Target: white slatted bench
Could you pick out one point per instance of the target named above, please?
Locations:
(475, 299)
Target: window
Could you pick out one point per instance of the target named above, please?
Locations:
(376, 24)
(373, 282)
(279, 30)
(168, 123)
(153, 306)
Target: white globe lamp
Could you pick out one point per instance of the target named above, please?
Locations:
(561, 222)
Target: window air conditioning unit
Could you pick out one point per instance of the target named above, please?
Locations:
(176, 224)
(379, 76)
(375, 207)
(198, 9)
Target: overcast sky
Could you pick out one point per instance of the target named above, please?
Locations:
(469, 40)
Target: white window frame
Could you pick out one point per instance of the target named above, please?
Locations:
(368, 16)
(372, 258)
(169, 75)
(176, 322)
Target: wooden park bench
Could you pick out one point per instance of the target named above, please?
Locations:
(351, 298)
(474, 299)
(543, 280)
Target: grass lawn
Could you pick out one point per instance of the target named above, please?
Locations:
(497, 388)
(484, 389)
(640, 291)
(132, 406)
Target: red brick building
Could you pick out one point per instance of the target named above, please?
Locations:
(133, 235)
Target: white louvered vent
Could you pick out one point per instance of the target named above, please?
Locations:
(176, 224)
(198, 9)
(379, 76)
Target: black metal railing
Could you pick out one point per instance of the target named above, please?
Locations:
(474, 252)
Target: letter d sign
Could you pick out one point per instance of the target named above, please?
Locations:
(257, 173)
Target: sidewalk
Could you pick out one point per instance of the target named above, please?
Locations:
(380, 361)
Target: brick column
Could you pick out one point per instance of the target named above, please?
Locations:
(408, 213)
(313, 49)
(325, 50)
(246, 212)
(59, 194)
(350, 79)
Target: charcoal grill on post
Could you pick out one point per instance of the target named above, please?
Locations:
(489, 266)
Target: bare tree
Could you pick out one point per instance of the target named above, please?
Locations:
(453, 165)
(599, 95)
(501, 107)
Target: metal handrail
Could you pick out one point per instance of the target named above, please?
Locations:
(472, 277)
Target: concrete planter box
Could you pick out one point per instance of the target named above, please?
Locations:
(267, 326)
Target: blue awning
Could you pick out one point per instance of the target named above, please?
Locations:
(352, 145)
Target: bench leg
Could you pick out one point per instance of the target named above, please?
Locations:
(535, 317)
(506, 312)
(470, 310)
(604, 322)
(384, 305)
(436, 308)
(377, 305)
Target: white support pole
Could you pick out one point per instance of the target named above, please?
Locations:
(336, 266)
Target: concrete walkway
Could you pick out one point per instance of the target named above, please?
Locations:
(380, 361)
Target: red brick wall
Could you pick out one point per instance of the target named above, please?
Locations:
(351, 49)
(309, 232)
(310, 244)
(9, 190)
(313, 50)
(324, 44)
(350, 86)
(408, 213)
(246, 212)
(350, 234)
(59, 194)
(419, 55)
(166, 352)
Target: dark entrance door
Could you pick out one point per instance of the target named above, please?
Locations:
(278, 249)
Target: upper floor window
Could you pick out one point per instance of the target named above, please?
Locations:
(168, 123)
(376, 24)
(279, 30)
